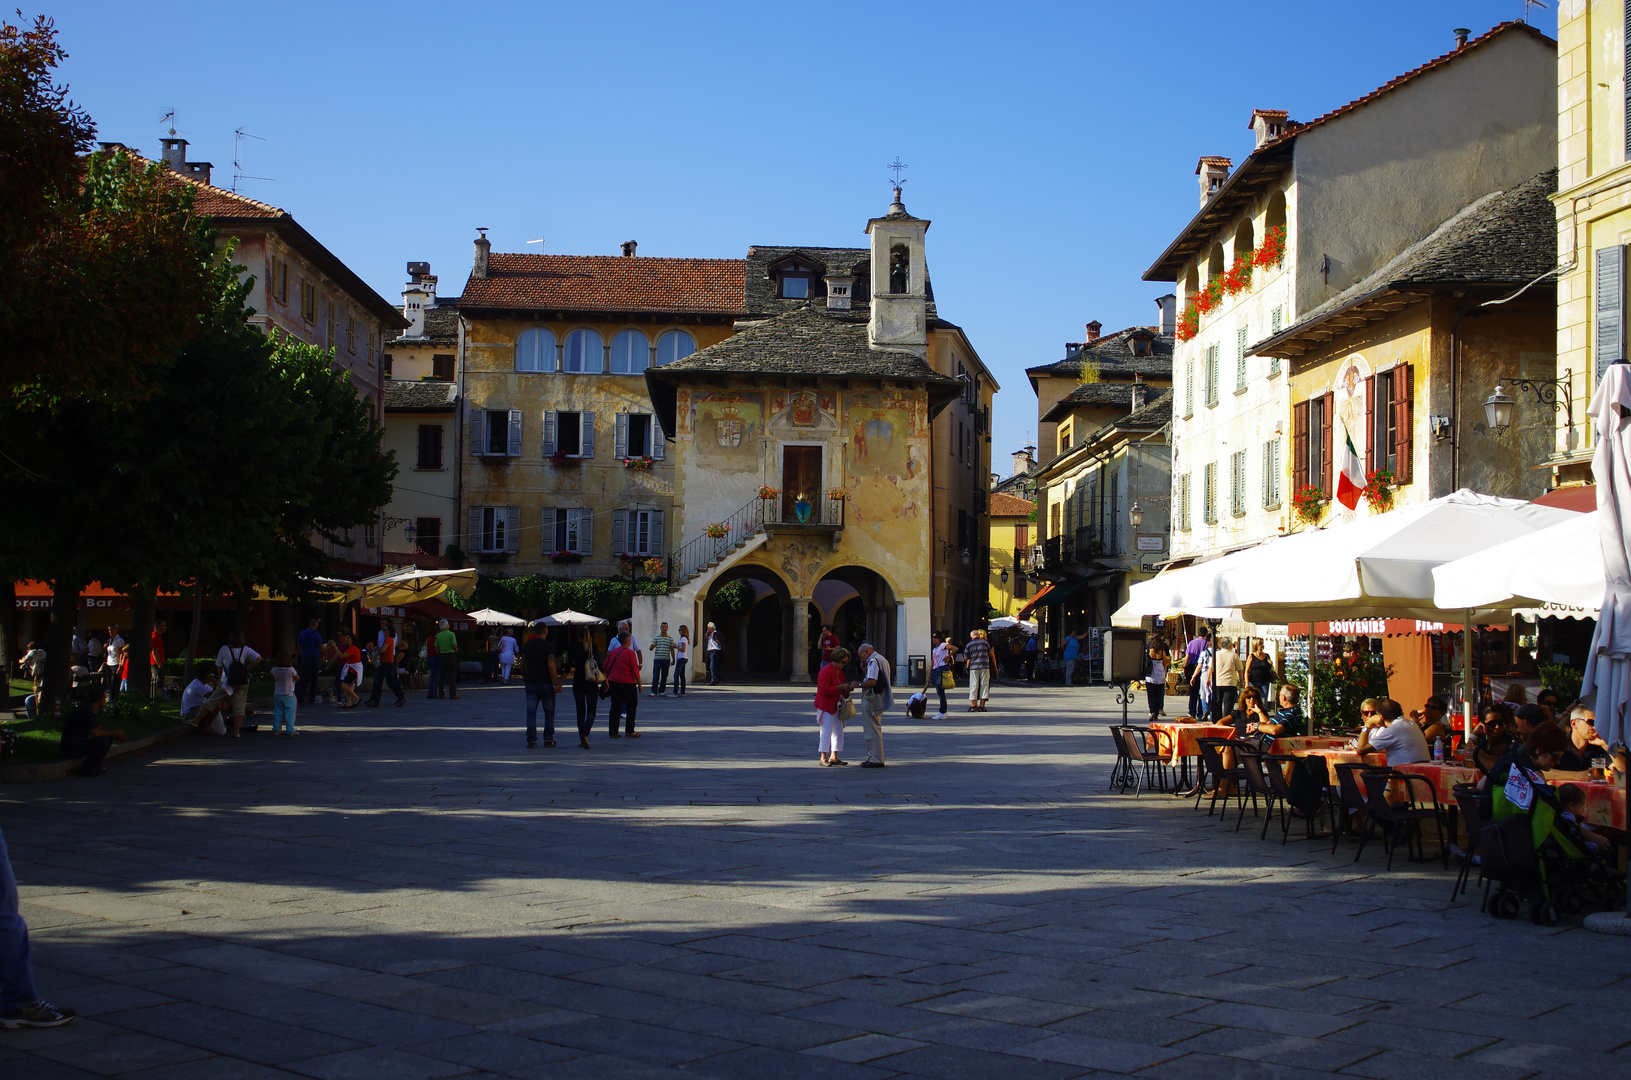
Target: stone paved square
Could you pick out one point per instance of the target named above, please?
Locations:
(412, 894)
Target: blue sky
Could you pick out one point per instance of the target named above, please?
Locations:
(1052, 144)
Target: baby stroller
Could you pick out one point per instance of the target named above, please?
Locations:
(1531, 855)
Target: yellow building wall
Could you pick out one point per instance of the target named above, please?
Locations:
(1003, 596)
(532, 483)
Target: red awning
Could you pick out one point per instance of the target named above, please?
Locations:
(1385, 627)
(433, 609)
(1035, 600)
(1579, 497)
(36, 596)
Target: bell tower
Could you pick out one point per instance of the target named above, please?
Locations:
(899, 284)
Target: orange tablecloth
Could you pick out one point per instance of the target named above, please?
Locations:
(1444, 777)
(1295, 744)
(1335, 756)
(1605, 803)
(1178, 740)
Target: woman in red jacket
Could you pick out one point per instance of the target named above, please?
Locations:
(831, 688)
(622, 669)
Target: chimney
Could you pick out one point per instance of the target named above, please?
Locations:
(1213, 171)
(838, 291)
(1169, 314)
(628, 248)
(1140, 392)
(483, 248)
(1093, 329)
(1022, 461)
(1267, 124)
(1461, 33)
(175, 156)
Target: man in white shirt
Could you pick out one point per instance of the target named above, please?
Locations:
(875, 698)
(111, 670)
(234, 651)
(192, 698)
(616, 643)
(1387, 732)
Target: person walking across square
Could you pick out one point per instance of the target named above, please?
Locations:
(977, 654)
(662, 655)
(876, 699)
(682, 657)
(623, 673)
(712, 647)
(447, 662)
(543, 681)
(310, 642)
(20, 1003)
(586, 682)
(385, 667)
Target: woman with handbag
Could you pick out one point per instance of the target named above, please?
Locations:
(833, 706)
(940, 675)
(623, 673)
(586, 683)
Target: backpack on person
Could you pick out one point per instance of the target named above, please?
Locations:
(237, 671)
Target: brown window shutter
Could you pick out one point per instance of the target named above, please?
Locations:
(1327, 449)
(1404, 402)
(1370, 424)
(1299, 445)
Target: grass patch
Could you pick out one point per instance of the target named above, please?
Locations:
(41, 740)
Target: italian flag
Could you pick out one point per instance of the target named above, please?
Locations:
(1351, 480)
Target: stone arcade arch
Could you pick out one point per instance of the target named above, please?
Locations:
(757, 641)
(861, 605)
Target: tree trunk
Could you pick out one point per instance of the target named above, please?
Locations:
(59, 638)
(10, 654)
(144, 605)
(192, 633)
(241, 603)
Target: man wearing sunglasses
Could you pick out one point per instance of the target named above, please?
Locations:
(1584, 742)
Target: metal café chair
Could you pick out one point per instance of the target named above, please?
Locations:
(1402, 820)
(1349, 800)
(1121, 774)
(1144, 759)
(1212, 765)
(1470, 802)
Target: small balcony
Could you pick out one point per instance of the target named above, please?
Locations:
(821, 516)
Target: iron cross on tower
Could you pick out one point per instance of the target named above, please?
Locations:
(897, 167)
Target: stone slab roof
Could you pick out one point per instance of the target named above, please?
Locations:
(441, 328)
(1503, 239)
(1004, 505)
(856, 262)
(608, 283)
(1155, 413)
(420, 395)
(1113, 355)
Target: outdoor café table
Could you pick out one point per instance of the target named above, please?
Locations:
(1177, 740)
(1605, 803)
(1296, 744)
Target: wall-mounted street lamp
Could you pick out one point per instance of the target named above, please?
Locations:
(409, 531)
(1135, 515)
(947, 550)
(1003, 577)
(1554, 392)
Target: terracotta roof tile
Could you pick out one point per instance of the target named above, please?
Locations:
(1009, 506)
(521, 282)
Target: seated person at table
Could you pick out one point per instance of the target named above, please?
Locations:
(1430, 718)
(1572, 799)
(1548, 700)
(1288, 718)
(1526, 718)
(1538, 754)
(1249, 713)
(1584, 742)
(1492, 738)
(1387, 731)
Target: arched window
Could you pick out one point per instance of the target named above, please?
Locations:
(584, 352)
(1214, 263)
(1275, 216)
(631, 353)
(1244, 241)
(900, 268)
(675, 345)
(535, 350)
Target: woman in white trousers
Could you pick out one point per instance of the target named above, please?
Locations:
(831, 690)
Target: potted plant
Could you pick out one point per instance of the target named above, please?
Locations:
(654, 566)
(1272, 251)
(768, 493)
(1378, 490)
(838, 493)
(718, 530)
(637, 463)
(1307, 504)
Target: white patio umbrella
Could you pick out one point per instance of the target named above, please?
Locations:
(1560, 566)
(569, 618)
(403, 586)
(1008, 622)
(491, 617)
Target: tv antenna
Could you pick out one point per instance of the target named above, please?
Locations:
(238, 174)
(169, 118)
(1527, 4)
(897, 167)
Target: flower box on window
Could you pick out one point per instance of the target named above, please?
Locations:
(637, 463)
(560, 458)
(565, 556)
(1378, 491)
(1307, 504)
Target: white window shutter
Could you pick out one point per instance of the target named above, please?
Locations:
(587, 434)
(551, 418)
(657, 440)
(620, 440)
(620, 528)
(474, 539)
(515, 433)
(549, 528)
(1240, 357)
(586, 531)
(512, 529)
(1610, 335)
(654, 544)
(478, 432)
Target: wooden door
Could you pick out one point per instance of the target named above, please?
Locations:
(801, 476)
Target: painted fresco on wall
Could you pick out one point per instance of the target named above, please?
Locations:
(878, 427)
(801, 562)
(803, 414)
(725, 427)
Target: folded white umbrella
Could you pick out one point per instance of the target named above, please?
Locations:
(492, 617)
(1561, 566)
(1607, 682)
